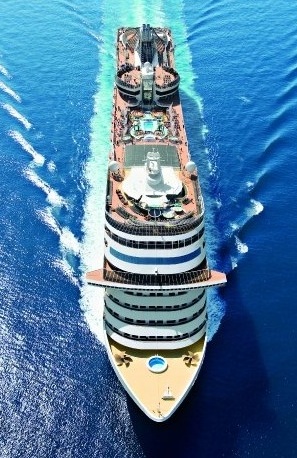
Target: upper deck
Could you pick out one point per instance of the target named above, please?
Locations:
(151, 175)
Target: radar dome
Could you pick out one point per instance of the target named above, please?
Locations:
(113, 166)
(190, 166)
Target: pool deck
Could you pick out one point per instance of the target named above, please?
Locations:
(148, 388)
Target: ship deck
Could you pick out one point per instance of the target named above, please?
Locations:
(128, 138)
(153, 196)
(148, 388)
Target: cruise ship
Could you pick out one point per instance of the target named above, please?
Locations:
(155, 273)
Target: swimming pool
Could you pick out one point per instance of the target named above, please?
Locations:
(157, 364)
(149, 124)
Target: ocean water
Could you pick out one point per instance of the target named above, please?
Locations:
(59, 395)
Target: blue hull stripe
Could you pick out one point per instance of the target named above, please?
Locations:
(156, 260)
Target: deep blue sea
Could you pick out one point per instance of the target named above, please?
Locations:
(59, 395)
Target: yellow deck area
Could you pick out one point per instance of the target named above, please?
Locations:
(149, 387)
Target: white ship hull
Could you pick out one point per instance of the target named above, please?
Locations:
(155, 270)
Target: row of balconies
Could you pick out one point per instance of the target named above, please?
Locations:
(158, 307)
(155, 245)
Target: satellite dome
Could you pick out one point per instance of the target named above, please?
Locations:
(113, 166)
(190, 166)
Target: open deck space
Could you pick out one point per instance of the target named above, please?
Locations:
(148, 387)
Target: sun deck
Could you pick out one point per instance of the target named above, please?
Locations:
(136, 131)
(158, 394)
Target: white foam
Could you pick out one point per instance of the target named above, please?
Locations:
(234, 263)
(218, 202)
(92, 304)
(46, 217)
(244, 99)
(241, 246)
(257, 207)
(234, 227)
(4, 71)
(250, 185)
(37, 157)
(10, 92)
(215, 311)
(51, 166)
(51, 195)
(69, 241)
(63, 265)
(13, 112)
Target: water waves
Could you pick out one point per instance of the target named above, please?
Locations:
(14, 113)
(18, 138)
(4, 71)
(10, 92)
(252, 208)
(69, 245)
(52, 196)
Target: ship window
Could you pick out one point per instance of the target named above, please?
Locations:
(129, 320)
(201, 232)
(171, 321)
(140, 321)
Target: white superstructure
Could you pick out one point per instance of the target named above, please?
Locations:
(155, 271)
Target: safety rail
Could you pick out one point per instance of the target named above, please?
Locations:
(156, 337)
(173, 83)
(147, 228)
(122, 83)
(129, 278)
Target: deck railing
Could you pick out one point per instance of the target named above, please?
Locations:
(184, 278)
(181, 226)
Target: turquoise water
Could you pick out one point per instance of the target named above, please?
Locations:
(149, 125)
(59, 395)
(157, 364)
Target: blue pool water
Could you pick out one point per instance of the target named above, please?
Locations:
(149, 125)
(238, 63)
(157, 364)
